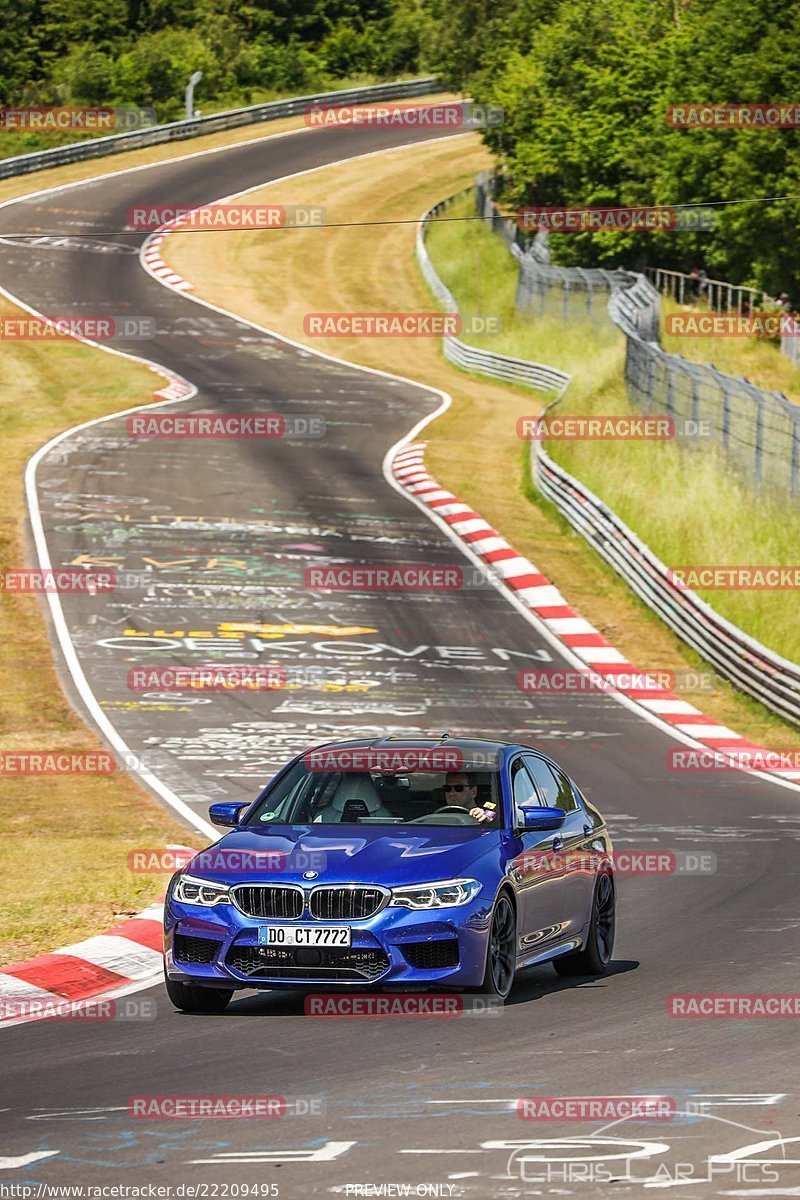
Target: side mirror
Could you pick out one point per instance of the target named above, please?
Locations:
(226, 814)
(536, 817)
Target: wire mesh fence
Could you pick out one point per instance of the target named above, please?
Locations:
(485, 206)
(758, 431)
(571, 293)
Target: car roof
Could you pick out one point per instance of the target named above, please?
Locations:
(391, 741)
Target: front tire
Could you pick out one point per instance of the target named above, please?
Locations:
(501, 954)
(595, 956)
(197, 999)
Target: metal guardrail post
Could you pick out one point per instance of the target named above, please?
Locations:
(726, 410)
(189, 94)
(695, 401)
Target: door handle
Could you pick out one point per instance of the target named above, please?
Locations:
(587, 829)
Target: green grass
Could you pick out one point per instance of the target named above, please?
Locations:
(685, 503)
(758, 359)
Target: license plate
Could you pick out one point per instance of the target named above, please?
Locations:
(303, 935)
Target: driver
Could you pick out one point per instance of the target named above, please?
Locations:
(461, 790)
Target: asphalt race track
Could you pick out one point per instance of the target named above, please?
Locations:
(216, 537)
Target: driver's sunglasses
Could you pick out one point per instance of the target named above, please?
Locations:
(456, 787)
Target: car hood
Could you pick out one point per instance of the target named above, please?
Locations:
(377, 855)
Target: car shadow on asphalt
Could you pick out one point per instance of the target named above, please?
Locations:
(538, 982)
(532, 984)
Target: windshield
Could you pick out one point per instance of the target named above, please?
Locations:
(316, 797)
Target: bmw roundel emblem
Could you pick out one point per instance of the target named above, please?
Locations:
(310, 874)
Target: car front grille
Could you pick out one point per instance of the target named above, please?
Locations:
(345, 903)
(335, 903)
(269, 900)
(194, 950)
(432, 956)
(302, 962)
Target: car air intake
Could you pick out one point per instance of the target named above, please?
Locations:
(432, 956)
(194, 949)
(302, 963)
(269, 900)
(345, 903)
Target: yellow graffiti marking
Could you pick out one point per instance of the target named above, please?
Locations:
(278, 631)
(238, 629)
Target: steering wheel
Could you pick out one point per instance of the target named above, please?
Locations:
(452, 810)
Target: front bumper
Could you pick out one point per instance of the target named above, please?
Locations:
(218, 947)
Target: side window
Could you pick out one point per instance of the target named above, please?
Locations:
(553, 786)
(522, 789)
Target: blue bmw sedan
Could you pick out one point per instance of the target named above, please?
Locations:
(433, 863)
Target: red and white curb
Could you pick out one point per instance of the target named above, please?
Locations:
(151, 256)
(177, 388)
(565, 623)
(122, 959)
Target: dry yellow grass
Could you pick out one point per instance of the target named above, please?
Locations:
(65, 838)
(277, 278)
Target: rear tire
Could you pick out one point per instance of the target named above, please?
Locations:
(501, 953)
(197, 999)
(595, 956)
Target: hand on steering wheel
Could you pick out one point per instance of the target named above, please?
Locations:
(478, 814)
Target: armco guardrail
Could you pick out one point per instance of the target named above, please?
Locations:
(636, 309)
(177, 131)
(470, 358)
(751, 667)
(501, 366)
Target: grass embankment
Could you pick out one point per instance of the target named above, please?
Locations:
(276, 278)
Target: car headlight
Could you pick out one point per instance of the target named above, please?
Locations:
(449, 893)
(187, 889)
